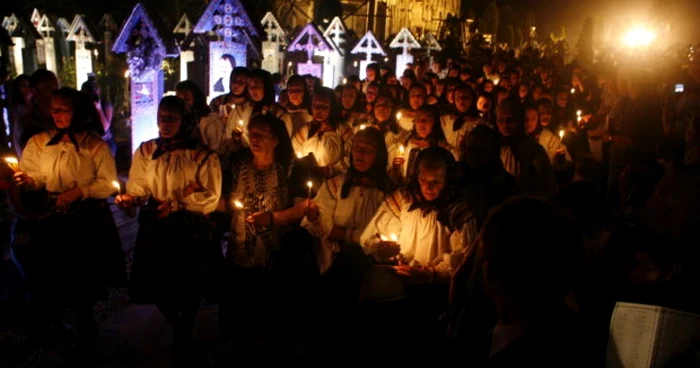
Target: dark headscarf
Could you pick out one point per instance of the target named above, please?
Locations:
(85, 118)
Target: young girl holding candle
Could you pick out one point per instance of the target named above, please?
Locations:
(177, 181)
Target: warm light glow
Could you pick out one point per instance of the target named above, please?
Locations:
(127, 74)
(579, 112)
(573, 90)
(117, 186)
(12, 163)
(386, 59)
(345, 81)
(561, 134)
(383, 238)
(238, 205)
(289, 63)
(299, 155)
(354, 64)
(394, 238)
(638, 36)
(362, 127)
(310, 184)
(402, 149)
(96, 52)
(240, 122)
(399, 116)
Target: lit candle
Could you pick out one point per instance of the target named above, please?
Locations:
(12, 163)
(345, 81)
(573, 90)
(126, 74)
(310, 184)
(362, 127)
(579, 113)
(240, 125)
(354, 64)
(299, 155)
(383, 238)
(386, 59)
(238, 205)
(578, 116)
(394, 238)
(289, 64)
(402, 149)
(399, 115)
(117, 186)
(561, 134)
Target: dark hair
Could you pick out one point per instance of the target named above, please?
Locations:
(300, 80)
(378, 169)
(177, 105)
(268, 87)
(237, 71)
(436, 134)
(199, 106)
(334, 117)
(230, 59)
(16, 97)
(284, 152)
(85, 118)
(528, 264)
(512, 107)
(40, 75)
(376, 68)
(435, 157)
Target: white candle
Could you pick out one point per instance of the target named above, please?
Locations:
(12, 163)
(117, 186)
(240, 125)
(402, 149)
(561, 134)
(310, 184)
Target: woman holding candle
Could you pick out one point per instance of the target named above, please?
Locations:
(557, 152)
(324, 136)
(177, 181)
(260, 185)
(417, 97)
(347, 202)
(426, 132)
(427, 217)
(70, 255)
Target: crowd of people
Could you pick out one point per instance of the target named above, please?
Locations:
(491, 213)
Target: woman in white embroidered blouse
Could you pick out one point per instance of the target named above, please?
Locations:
(177, 181)
(419, 227)
(320, 136)
(347, 202)
(558, 154)
(73, 252)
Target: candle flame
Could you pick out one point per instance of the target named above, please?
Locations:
(383, 238)
(116, 185)
(394, 238)
(126, 74)
(579, 112)
(240, 122)
(399, 116)
(345, 81)
(238, 204)
(402, 149)
(12, 163)
(561, 134)
(362, 127)
(310, 184)
(573, 90)
(299, 155)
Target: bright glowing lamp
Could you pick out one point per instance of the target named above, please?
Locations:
(638, 36)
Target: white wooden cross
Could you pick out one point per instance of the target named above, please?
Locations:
(406, 41)
(272, 56)
(369, 46)
(334, 59)
(184, 26)
(80, 34)
(46, 30)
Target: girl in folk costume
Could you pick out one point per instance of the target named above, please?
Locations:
(353, 113)
(384, 119)
(198, 112)
(426, 133)
(558, 154)
(261, 89)
(463, 117)
(324, 137)
(347, 202)
(299, 105)
(417, 96)
(372, 74)
(262, 202)
(224, 136)
(177, 181)
(70, 253)
(420, 226)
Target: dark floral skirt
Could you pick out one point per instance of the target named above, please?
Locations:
(70, 255)
(175, 258)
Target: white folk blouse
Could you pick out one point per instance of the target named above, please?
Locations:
(166, 177)
(62, 166)
(353, 213)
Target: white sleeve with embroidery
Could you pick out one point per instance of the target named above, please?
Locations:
(207, 198)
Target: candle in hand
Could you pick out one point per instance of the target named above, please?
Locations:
(402, 149)
(299, 155)
(561, 134)
(362, 127)
(12, 163)
(394, 238)
(238, 205)
(399, 116)
(310, 184)
(117, 186)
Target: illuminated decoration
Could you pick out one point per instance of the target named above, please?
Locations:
(310, 40)
(369, 46)
(229, 24)
(47, 32)
(181, 30)
(404, 40)
(81, 34)
(431, 44)
(334, 59)
(62, 29)
(639, 36)
(36, 18)
(13, 27)
(273, 56)
(146, 48)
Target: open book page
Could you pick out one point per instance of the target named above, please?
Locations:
(632, 334)
(678, 333)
